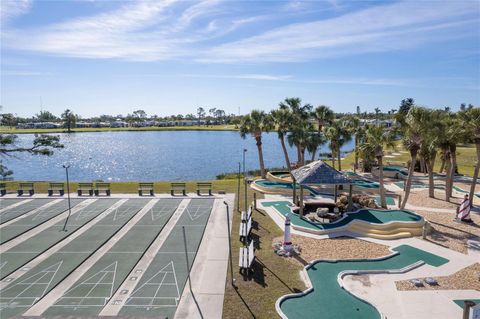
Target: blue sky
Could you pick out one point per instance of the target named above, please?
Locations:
(169, 57)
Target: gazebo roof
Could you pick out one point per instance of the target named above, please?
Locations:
(319, 172)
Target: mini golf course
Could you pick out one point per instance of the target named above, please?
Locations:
(384, 224)
(328, 300)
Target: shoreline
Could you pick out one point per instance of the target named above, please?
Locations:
(119, 129)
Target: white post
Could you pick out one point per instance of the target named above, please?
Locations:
(287, 243)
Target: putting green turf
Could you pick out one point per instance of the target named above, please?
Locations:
(14, 212)
(461, 302)
(22, 293)
(88, 295)
(329, 301)
(369, 215)
(159, 290)
(43, 215)
(22, 253)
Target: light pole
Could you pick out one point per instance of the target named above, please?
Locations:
(245, 178)
(68, 195)
(238, 188)
(229, 245)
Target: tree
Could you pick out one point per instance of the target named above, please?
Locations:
(314, 140)
(470, 119)
(282, 120)
(69, 119)
(353, 125)
(200, 113)
(46, 116)
(412, 132)
(255, 124)
(42, 145)
(324, 116)
(376, 137)
(338, 134)
(300, 135)
(358, 110)
(8, 119)
(140, 114)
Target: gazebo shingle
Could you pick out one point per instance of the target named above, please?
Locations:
(319, 172)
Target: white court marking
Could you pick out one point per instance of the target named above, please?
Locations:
(154, 282)
(94, 281)
(48, 273)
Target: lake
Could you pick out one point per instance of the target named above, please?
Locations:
(148, 156)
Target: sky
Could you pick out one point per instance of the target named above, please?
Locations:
(170, 57)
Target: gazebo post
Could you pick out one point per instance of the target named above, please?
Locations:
(335, 194)
(350, 200)
(294, 191)
(301, 200)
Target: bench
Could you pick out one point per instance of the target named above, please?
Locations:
(246, 215)
(246, 258)
(87, 187)
(56, 187)
(178, 187)
(204, 187)
(24, 187)
(245, 228)
(3, 189)
(102, 187)
(145, 187)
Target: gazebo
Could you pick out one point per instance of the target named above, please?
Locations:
(319, 173)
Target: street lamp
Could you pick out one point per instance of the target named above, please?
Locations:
(245, 178)
(229, 245)
(68, 195)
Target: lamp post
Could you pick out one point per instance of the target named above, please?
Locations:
(229, 245)
(68, 196)
(245, 178)
(238, 188)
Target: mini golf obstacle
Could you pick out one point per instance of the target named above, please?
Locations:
(375, 223)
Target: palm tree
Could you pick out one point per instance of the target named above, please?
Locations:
(255, 124)
(69, 119)
(452, 135)
(300, 134)
(338, 134)
(314, 140)
(282, 120)
(324, 115)
(376, 137)
(471, 122)
(353, 126)
(412, 140)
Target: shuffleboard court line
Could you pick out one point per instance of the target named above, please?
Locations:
(16, 203)
(56, 292)
(30, 212)
(24, 268)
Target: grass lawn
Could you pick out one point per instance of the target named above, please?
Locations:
(7, 130)
(466, 159)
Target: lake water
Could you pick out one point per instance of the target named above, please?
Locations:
(148, 156)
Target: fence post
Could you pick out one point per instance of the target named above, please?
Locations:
(255, 200)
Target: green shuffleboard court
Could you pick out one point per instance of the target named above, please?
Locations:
(22, 253)
(328, 300)
(25, 291)
(14, 212)
(461, 302)
(369, 215)
(23, 225)
(93, 290)
(158, 291)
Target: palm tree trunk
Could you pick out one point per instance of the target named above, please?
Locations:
(475, 172)
(260, 156)
(442, 166)
(339, 159)
(299, 156)
(383, 202)
(302, 154)
(451, 172)
(431, 185)
(408, 183)
(285, 153)
(355, 166)
(314, 152)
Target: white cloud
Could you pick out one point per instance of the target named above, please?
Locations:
(261, 77)
(10, 9)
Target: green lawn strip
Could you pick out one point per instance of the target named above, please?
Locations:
(132, 187)
(328, 300)
(36, 245)
(28, 289)
(21, 209)
(160, 288)
(23, 225)
(368, 215)
(88, 295)
(5, 130)
(461, 302)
